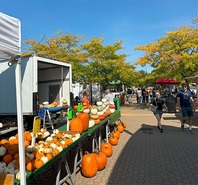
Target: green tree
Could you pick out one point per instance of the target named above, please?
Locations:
(174, 56)
(105, 64)
(65, 48)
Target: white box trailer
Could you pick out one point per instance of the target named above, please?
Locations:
(42, 80)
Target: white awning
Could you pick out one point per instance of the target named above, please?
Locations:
(10, 37)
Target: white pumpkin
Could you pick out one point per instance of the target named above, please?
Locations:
(12, 138)
(100, 113)
(91, 123)
(94, 111)
(53, 145)
(53, 135)
(99, 103)
(44, 159)
(86, 111)
(47, 150)
(103, 106)
(60, 148)
(67, 135)
(112, 110)
(2, 151)
(55, 131)
(18, 175)
(62, 142)
(1, 125)
(49, 139)
(45, 134)
(104, 100)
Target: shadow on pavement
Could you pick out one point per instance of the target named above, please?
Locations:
(154, 158)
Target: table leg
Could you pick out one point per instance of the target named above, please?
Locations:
(76, 161)
(94, 142)
(68, 176)
(50, 119)
(107, 130)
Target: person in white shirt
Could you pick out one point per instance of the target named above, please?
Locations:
(139, 95)
(108, 96)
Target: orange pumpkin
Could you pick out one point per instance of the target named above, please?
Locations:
(3, 141)
(38, 154)
(13, 149)
(55, 104)
(101, 159)
(38, 163)
(49, 156)
(30, 166)
(55, 152)
(16, 156)
(27, 136)
(120, 128)
(26, 143)
(7, 158)
(116, 133)
(84, 117)
(59, 135)
(106, 148)
(96, 121)
(68, 141)
(113, 140)
(76, 125)
(89, 165)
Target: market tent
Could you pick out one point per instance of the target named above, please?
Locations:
(10, 37)
(10, 51)
(166, 81)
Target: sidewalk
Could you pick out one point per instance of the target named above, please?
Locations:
(144, 156)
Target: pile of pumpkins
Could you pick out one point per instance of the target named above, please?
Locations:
(51, 145)
(97, 161)
(35, 156)
(95, 114)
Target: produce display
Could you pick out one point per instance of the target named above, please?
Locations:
(97, 161)
(49, 144)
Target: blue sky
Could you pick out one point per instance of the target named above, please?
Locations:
(136, 22)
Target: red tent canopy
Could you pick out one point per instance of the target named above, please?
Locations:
(166, 81)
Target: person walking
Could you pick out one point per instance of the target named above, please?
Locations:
(185, 106)
(139, 95)
(158, 103)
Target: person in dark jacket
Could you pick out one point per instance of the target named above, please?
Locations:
(185, 105)
(158, 103)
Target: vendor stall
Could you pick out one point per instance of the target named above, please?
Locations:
(77, 147)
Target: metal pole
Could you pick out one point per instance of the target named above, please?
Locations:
(20, 122)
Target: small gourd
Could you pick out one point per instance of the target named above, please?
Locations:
(44, 159)
(18, 176)
(91, 123)
(94, 111)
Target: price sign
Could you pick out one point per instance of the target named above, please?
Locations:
(36, 125)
